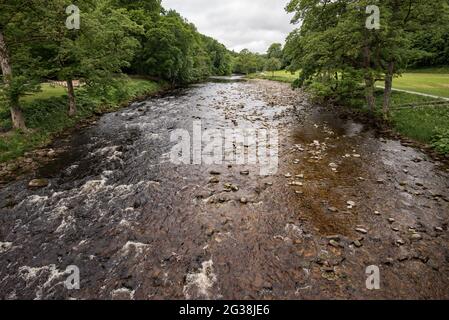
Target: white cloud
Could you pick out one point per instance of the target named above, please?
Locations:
(238, 24)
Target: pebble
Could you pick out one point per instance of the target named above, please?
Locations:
(244, 173)
(377, 213)
(439, 229)
(361, 230)
(243, 200)
(210, 232)
(214, 180)
(215, 173)
(288, 175)
(333, 209)
(231, 187)
(38, 183)
(400, 242)
(416, 236)
(335, 244)
(296, 183)
(391, 220)
(357, 243)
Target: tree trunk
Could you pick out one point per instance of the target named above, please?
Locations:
(369, 93)
(18, 121)
(369, 80)
(72, 101)
(387, 90)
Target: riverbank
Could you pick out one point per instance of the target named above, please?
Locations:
(421, 118)
(47, 118)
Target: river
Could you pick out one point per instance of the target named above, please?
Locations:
(137, 225)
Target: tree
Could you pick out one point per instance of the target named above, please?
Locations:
(220, 57)
(247, 62)
(401, 23)
(21, 22)
(275, 51)
(273, 64)
(96, 52)
(336, 52)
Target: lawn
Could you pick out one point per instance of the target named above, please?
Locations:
(47, 91)
(281, 75)
(429, 83)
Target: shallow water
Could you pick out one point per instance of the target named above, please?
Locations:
(140, 227)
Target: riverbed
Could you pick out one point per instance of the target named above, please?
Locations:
(138, 226)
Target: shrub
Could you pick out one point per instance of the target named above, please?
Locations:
(441, 141)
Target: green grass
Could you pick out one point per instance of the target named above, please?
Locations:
(433, 81)
(47, 92)
(429, 83)
(46, 113)
(281, 76)
(415, 116)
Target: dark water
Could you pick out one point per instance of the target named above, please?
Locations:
(140, 227)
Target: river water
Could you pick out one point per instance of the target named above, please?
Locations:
(138, 226)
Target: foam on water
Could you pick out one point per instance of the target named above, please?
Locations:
(200, 283)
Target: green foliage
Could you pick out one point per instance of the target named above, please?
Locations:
(273, 64)
(441, 141)
(172, 49)
(333, 39)
(247, 62)
(432, 46)
(275, 51)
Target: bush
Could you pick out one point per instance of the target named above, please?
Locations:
(441, 141)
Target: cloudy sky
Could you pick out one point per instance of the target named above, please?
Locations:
(238, 24)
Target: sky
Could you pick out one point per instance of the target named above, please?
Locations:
(238, 24)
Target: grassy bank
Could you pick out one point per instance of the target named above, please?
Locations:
(281, 76)
(424, 82)
(46, 113)
(423, 119)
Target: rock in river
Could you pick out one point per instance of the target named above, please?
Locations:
(38, 183)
